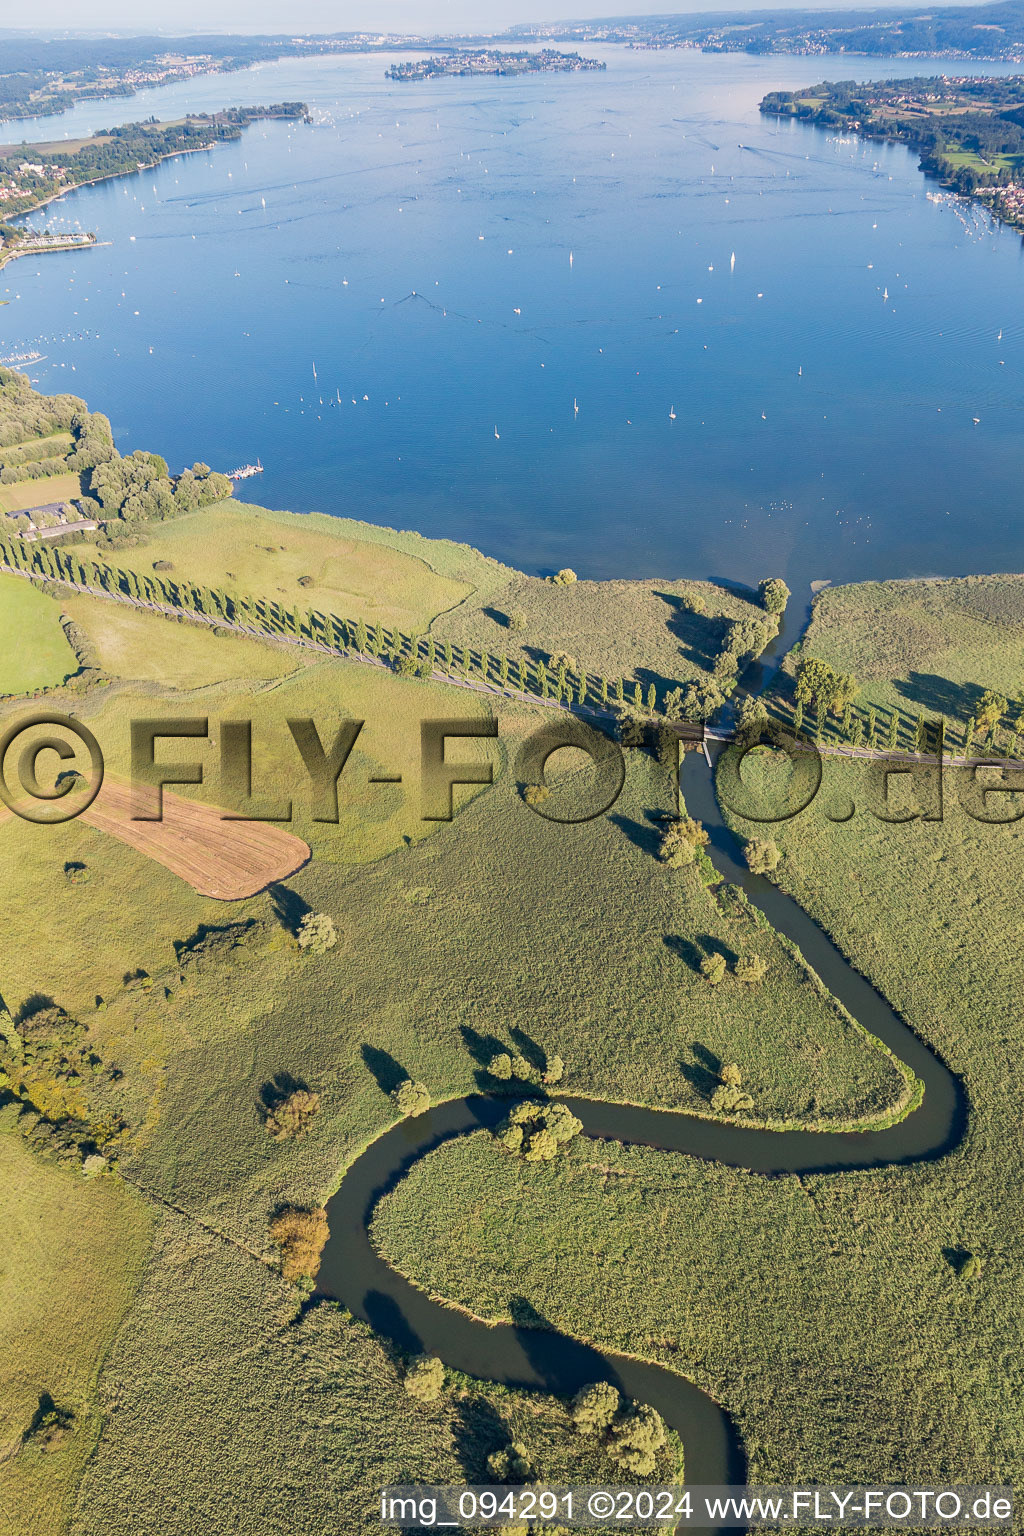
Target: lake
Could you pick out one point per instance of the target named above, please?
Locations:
(615, 321)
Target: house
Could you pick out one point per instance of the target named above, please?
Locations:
(51, 520)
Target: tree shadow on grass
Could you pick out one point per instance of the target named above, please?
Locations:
(646, 838)
(39, 1002)
(703, 1072)
(685, 949)
(289, 907)
(528, 1047)
(280, 1087)
(386, 1070)
(937, 695)
(478, 1430)
(701, 635)
(482, 1048)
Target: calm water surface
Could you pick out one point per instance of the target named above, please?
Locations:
(507, 288)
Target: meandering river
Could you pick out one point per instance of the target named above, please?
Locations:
(519, 1355)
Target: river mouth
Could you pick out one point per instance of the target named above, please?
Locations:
(529, 1354)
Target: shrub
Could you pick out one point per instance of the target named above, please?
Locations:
(971, 1267)
(424, 1378)
(752, 716)
(523, 1069)
(517, 620)
(727, 1099)
(536, 794)
(512, 1464)
(536, 1130)
(594, 1408)
(750, 968)
(163, 565)
(680, 841)
(290, 1115)
(500, 1066)
(410, 1098)
(991, 709)
(317, 933)
(712, 968)
(561, 661)
(77, 874)
(564, 578)
(554, 1071)
(94, 1164)
(50, 1427)
(300, 1235)
(540, 1147)
(635, 1439)
(731, 1074)
(305, 581)
(762, 855)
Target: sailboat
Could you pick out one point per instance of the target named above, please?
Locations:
(672, 414)
(575, 407)
(570, 258)
(732, 262)
(314, 373)
(497, 435)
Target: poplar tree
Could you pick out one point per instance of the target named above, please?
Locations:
(894, 730)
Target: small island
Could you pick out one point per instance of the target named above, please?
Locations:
(969, 132)
(490, 61)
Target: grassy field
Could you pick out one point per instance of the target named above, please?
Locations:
(236, 1413)
(933, 646)
(102, 937)
(246, 549)
(131, 643)
(34, 652)
(828, 1314)
(38, 493)
(73, 1255)
(654, 631)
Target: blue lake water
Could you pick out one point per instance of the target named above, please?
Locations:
(508, 287)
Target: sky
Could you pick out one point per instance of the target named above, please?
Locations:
(359, 15)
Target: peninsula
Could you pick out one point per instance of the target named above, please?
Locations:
(969, 132)
(32, 175)
(489, 61)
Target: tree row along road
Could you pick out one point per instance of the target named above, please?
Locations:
(475, 685)
(528, 1353)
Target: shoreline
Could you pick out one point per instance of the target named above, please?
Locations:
(76, 245)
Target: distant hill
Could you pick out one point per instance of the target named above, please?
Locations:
(985, 31)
